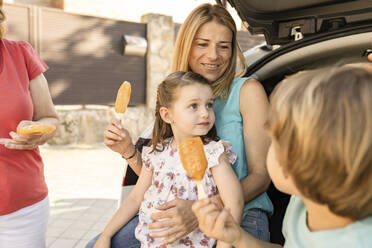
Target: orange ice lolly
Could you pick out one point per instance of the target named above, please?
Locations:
(123, 97)
(36, 129)
(194, 161)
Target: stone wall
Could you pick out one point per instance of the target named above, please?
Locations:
(160, 39)
(84, 125)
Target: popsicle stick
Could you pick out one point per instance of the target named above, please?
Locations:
(201, 192)
(119, 116)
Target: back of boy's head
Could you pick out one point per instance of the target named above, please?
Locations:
(321, 122)
(166, 96)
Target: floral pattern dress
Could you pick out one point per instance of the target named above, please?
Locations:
(170, 181)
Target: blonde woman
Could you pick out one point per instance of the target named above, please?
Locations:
(207, 45)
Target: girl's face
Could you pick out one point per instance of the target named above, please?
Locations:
(191, 113)
(211, 50)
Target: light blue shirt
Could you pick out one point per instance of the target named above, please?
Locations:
(229, 124)
(297, 234)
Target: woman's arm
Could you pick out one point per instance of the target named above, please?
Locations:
(254, 110)
(230, 193)
(118, 139)
(128, 209)
(44, 113)
(219, 224)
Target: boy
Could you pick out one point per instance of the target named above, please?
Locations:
(321, 153)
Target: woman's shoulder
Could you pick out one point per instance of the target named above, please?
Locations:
(16, 43)
(252, 88)
(239, 84)
(19, 47)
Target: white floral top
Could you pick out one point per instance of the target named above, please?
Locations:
(170, 181)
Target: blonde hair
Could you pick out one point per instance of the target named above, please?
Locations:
(166, 96)
(199, 16)
(321, 122)
(2, 19)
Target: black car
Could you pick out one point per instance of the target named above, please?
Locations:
(302, 35)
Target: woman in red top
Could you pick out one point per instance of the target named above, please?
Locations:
(24, 100)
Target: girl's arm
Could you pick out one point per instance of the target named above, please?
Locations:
(231, 192)
(254, 110)
(128, 209)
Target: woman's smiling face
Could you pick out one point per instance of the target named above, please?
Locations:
(211, 50)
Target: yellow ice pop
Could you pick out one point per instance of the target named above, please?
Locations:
(194, 161)
(36, 129)
(123, 97)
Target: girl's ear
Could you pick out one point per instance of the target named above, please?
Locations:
(165, 115)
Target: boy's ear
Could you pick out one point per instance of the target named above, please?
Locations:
(165, 115)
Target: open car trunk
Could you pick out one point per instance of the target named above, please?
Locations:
(309, 34)
(285, 21)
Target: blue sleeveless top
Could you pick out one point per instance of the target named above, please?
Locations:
(229, 124)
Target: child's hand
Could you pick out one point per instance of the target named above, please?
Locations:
(103, 242)
(215, 222)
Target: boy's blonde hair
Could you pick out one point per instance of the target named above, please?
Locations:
(321, 122)
(199, 16)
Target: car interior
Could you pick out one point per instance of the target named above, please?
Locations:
(277, 63)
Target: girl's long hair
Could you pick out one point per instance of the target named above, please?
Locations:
(166, 96)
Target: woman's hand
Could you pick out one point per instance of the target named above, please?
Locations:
(216, 222)
(25, 142)
(118, 138)
(176, 218)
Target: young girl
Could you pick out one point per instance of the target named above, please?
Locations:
(184, 110)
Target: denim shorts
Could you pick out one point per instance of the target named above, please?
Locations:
(256, 223)
(124, 238)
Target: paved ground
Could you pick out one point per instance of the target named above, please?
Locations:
(84, 188)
